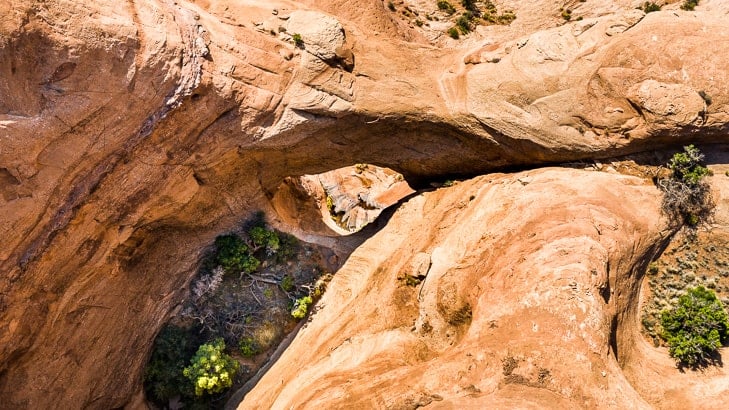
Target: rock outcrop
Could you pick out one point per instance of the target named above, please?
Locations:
(529, 299)
(132, 133)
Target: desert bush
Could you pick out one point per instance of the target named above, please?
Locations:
(446, 6)
(287, 283)
(248, 347)
(464, 22)
(301, 307)
(289, 247)
(706, 97)
(233, 255)
(469, 5)
(689, 5)
(686, 166)
(566, 14)
(211, 370)
(686, 195)
(506, 17)
(298, 41)
(172, 350)
(649, 7)
(263, 238)
(453, 32)
(696, 327)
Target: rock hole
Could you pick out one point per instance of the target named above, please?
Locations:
(340, 201)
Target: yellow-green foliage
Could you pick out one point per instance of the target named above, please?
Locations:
(262, 238)
(211, 370)
(287, 283)
(301, 307)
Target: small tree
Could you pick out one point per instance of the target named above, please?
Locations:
(686, 195)
(234, 255)
(696, 328)
(686, 165)
(263, 238)
(211, 370)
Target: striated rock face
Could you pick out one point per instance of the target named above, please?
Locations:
(132, 133)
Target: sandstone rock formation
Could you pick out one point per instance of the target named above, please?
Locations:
(132, 133)
(529, 301)
(513, 280)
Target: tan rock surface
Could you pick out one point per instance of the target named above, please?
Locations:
(544, 273)
(131, 133)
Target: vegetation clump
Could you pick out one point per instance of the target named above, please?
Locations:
(689, 5)
(566, 14)
(686, 195)
(211, 370)
(649, 7)
(163, 378)
(234, 256)
(445, 6)
(301, 307)
(287, 283)
(469, 5)
(248, 347)
(241, 297)
(265, 239)
(464, 22)
(696, 327)
(473, 15)
(298, 41)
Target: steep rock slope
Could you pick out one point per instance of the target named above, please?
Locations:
(529, 300)
(131, 133)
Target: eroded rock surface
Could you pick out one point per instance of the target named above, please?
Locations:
(526, 301)
(132, 133)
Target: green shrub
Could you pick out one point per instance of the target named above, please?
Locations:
(391, 6)
(649, 7)
(506, 17)
(686, 195)
(689, 5)
(211, 370)
(163, 378)
(453, 32)
(469, 5)
(289, 247)
(301, 307)
(686, 166)
(233, 255)
(446, 6)
(248, 347)
(464, 23)
(262, 238)
(566, 14)
(287, 283)
(298, 41)
(696, 328)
